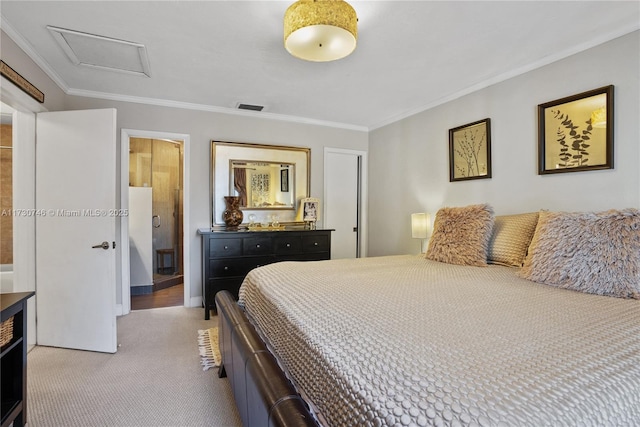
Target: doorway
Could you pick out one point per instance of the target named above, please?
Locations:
(155, 204)
(154, 166)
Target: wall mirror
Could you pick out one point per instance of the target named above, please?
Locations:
(262, 185)
(268, 179)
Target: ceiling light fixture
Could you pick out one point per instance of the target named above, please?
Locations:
(320, 30)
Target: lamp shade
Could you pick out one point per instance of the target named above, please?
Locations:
(419, 225)
(320, 30)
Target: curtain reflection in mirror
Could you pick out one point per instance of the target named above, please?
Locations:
(240, 182)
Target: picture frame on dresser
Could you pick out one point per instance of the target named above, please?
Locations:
(575, 133)
(282, 180)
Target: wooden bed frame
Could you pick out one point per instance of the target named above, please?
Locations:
(264, 395)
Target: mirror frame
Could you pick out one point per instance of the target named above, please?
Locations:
(221, 154)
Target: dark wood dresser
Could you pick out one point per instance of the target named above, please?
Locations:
(227, 256)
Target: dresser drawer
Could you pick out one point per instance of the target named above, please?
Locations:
(216, 285)
(286, 245)
(315, 243)
(307, 256)
(257, 245)
(232, 267)
(225, 247)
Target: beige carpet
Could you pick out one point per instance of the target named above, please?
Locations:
(155, 378)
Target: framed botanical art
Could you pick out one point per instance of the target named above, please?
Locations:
(576, 133)
(470, 151)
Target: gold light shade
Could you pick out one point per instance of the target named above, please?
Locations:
(320, 30)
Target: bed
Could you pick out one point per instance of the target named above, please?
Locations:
(447, 339)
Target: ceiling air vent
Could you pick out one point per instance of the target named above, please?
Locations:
(250, 107)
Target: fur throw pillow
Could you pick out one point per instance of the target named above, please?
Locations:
(597, 253)
(461, 235)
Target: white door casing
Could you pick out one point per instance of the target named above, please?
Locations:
(24, 154)
(344, 192)
(75, 210)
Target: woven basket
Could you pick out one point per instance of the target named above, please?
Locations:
(6, 331)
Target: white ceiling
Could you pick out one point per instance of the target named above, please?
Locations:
(411, 55)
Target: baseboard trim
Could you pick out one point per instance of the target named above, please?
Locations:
(141, 290)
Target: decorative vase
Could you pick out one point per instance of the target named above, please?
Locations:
(232, 215)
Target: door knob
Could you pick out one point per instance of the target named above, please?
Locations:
(104, 245)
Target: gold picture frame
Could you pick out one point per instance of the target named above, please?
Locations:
(575, 133)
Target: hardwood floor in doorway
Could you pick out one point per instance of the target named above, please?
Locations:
(168, 297)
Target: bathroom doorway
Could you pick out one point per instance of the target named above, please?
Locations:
(156, 222)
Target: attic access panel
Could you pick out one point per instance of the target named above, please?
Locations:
(91, 50)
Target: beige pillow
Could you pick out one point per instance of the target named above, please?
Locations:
(461, 235)
(511, 237)
(597, 253)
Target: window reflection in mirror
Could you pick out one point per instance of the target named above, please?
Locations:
(262, 185)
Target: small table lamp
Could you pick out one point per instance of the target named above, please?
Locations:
(420, 227)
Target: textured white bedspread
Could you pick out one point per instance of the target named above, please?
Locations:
(402, 340)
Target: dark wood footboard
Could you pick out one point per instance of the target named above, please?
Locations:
(263, 394)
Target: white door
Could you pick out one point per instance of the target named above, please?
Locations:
(342, 171)
(75, 212)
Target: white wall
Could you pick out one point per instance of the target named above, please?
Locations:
(409, 159)
(17, 59)
(206, 126)
(202, 127)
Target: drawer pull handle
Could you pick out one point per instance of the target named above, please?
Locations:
(257, 246)
(226, 247)
(226, 268)
(288, 245)
(315, 243)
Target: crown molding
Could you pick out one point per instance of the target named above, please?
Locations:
(31, 53)
(26, 47)
(213, 109)
(604, 38)
(35, 57)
